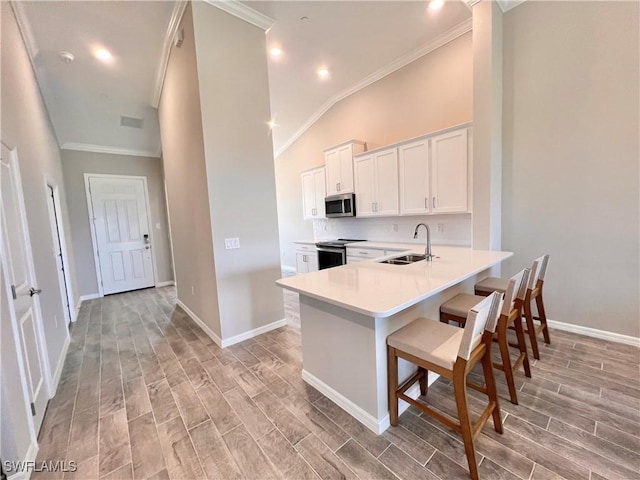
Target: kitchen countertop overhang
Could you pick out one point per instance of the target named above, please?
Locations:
(380, 290)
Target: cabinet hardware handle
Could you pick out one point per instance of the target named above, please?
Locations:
(426, 202)
(339, 186)
(434, 202)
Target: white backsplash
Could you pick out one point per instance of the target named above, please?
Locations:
(445, 229)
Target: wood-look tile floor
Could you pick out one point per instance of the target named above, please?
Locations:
(146, 394)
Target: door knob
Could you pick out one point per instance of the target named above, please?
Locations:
(34, 291)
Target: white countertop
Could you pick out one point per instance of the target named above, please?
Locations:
(306, 242)
(381, 290)
(399, 247)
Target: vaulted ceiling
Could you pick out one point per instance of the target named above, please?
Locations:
(357, 41)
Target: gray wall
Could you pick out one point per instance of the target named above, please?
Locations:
(240, 171)
(429, 94)
(75, 164)
(186, 177)
(26, 126)
(571, 150)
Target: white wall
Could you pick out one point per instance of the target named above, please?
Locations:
(75, 164)
(240, 171)
(571, 156)
(186, 179)
(429, 94)
(26, 126)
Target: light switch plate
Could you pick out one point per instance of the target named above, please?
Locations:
(231, 243)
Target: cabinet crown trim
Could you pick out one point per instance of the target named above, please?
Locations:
(359, 142)
(414, 139)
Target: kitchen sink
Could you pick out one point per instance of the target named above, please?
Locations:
(404, 259)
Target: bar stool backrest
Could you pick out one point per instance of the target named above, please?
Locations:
(513, 289)
(483, 316)
(538, 271)
(522, 291)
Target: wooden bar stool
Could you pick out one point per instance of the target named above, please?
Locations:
(451, 352)
(534, 292)
(511, 315)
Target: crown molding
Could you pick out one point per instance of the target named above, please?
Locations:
(397, 64)
(25, 29)
(243, 12)
(505, 5)
(86, 147)
(176, 17)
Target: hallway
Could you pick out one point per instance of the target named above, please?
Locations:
(146, 394)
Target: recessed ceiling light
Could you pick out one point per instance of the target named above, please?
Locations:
(323, 73)
(66, 57)
(271, 123)
(103, 55)
(275, 52)
(436, 4)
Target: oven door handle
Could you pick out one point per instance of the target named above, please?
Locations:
(330, 249)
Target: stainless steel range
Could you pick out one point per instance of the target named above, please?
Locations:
(333, 253)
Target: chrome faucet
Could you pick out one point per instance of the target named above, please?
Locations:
(427, 250)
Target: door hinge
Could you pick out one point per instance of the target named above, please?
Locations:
(33, 409)
(13, 292)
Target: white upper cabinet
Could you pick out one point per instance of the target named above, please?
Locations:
(339, 165)
(449, 171)
(313, 193)
(376, 189)
(415, 195)
(433, 174)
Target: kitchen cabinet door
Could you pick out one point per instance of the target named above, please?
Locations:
(301, 262)
(386, 191)
(339, 166)
(332, 166)
(313, 193)
(449, 172)
(312, 262)
(413, 159)
(365, 184)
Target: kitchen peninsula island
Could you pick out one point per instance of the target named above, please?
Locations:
(347, 312)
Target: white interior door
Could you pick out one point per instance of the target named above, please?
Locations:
(122, 233)
(57, 253)
(17, 266)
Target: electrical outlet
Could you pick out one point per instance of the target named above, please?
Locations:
(394, 227)
(231, 243)
(441, 227)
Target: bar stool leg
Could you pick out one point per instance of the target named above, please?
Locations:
(543, 318)
(492, 391)
(460, 391)
(392, 367)
(517, 324)
(503, 342)
(531, 328)
(423, 381)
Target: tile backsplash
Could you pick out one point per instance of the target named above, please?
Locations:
(445, 229)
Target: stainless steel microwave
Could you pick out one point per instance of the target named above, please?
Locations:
(343, 205)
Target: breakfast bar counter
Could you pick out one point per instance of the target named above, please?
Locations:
(347, 312)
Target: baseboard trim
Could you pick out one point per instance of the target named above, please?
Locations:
(60, 366)
(200, 323)
(594, 332)
(168, 283)
(76, 312)
(377, 426)
(91, 296)
(253, 333)
(287, 268)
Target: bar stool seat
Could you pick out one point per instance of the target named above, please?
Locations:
(492, 284)
(456, 310)
(432, 341)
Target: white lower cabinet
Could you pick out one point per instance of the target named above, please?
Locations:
(306, 258)
(376, 184)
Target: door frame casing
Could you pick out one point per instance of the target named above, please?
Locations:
(94, 239)
(51, 183)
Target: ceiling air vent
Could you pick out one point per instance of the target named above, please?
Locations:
(130, 122)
